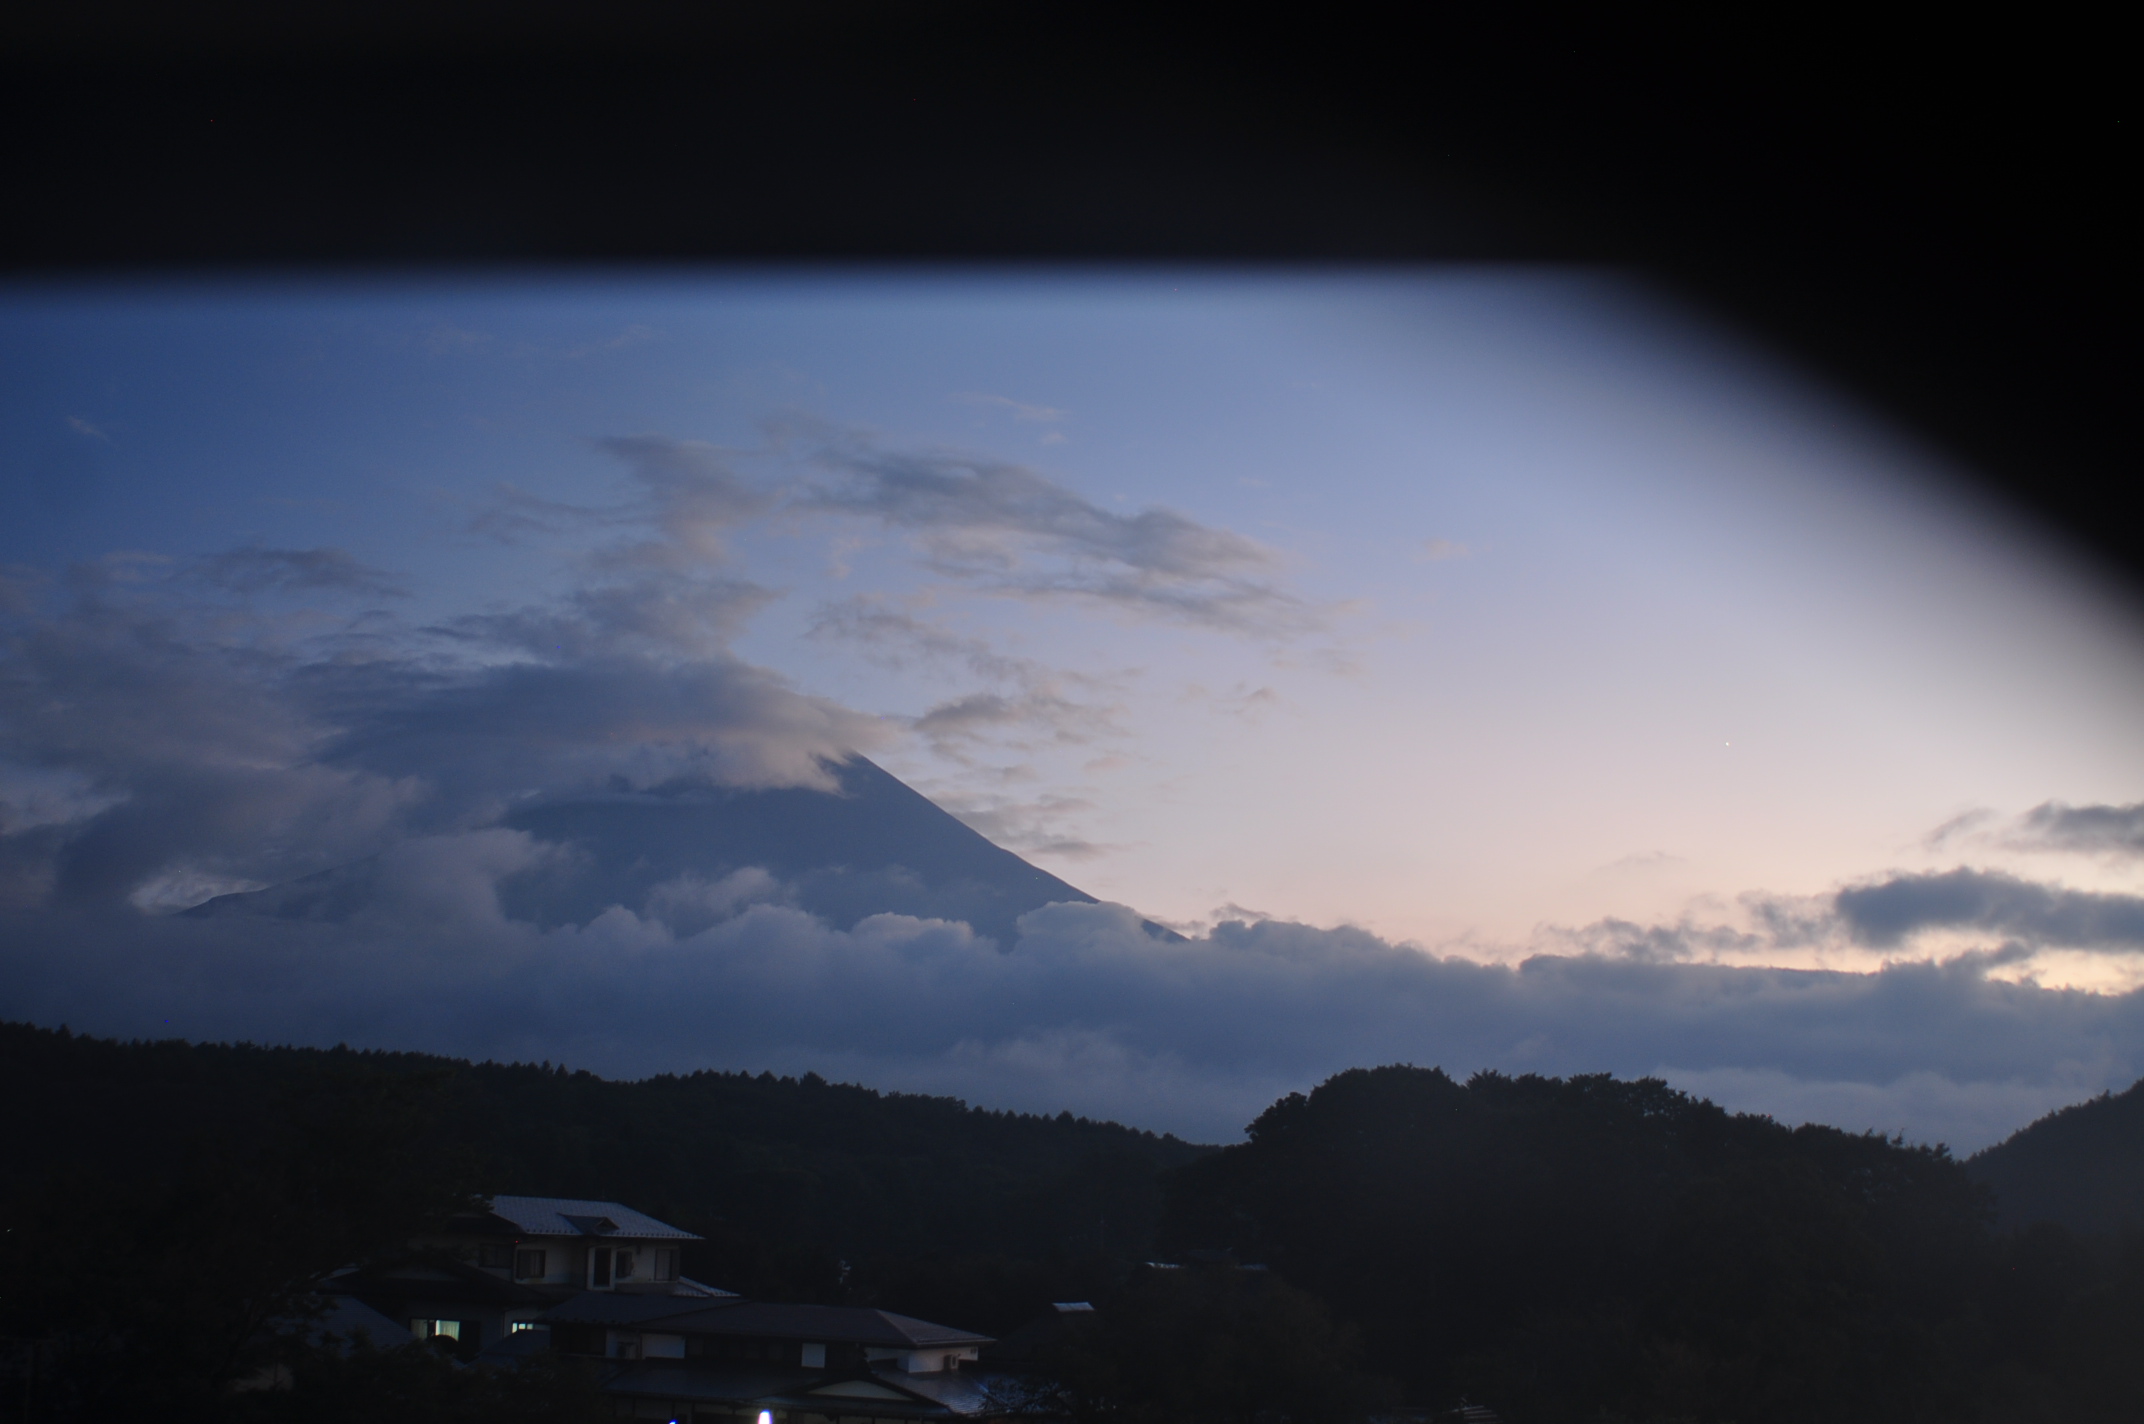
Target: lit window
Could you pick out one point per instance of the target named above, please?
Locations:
(443, 1329)
(515, 1327)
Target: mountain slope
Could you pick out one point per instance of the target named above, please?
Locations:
(874, 846)
(2082, 1167)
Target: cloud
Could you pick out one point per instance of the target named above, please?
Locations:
(1007, 530)
(1992, 918)
(1028, 704)
(1434, 551)
(204, 747)
(83, 427)
(1035, 827)
(692, 493)
(261, 570)
(1889, 911)
(895, 639)
(687, 493)
(2110, 830)
(586, 721)
(1088, 1012)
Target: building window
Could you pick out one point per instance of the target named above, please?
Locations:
(666, 1264)
(599, 1269)
(529, 1265)
(625, 1264)
(629, 1347)
(494, 1258)
(443, 1329)
(515, 1327)
(815, 1357)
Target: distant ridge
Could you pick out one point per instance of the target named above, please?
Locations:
(2082, 1167)
(873, 846)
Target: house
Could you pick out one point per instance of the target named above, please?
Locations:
(599, 1280)
(495, 1271)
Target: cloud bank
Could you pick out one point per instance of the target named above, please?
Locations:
(1087, 1012)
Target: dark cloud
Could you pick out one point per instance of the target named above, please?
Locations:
(2115, 830)
(1088, 1011)
(1889, 911)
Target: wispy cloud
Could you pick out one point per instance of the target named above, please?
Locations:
(83, 427)
(1031, 827)
(1024, 704)
(255, 569)
(2053, 827)
(1007, 530)
(688, 493)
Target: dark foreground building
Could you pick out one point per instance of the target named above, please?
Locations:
(601, 1281)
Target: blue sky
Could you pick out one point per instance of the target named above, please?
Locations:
(1493, 614)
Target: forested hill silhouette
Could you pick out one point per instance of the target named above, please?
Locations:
(1560, 1250)
(1591, 1248)
(2081, 1167)
(787, 1178)
(873, 845)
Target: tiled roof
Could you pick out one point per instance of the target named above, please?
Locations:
(571, 1216)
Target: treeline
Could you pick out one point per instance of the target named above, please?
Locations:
(1559, 1250)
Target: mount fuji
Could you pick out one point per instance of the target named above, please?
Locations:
(873, 845)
